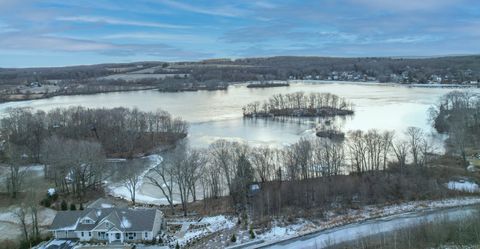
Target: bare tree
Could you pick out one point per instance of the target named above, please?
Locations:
(221, 156)
(329, 157)
(401, 149)
(196, 162)
(16, 159)
(163, 179)
(75, 165)
(132, 180)
(32, 203)
(21, 214)
(415, 138)
(262, 161)
(181, 174)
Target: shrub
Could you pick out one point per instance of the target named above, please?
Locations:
(81, 206)
(252, 234)
(54, 197)
(64, 205)
(73, 207)
(233, 238)
(46, 202)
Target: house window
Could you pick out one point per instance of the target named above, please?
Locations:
(89, 234)
(82, 234)
(146, 235)
(131, 235)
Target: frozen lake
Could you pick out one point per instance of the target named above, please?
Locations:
(218, 114)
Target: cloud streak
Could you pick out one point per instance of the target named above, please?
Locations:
(115, 21)
(225, 11)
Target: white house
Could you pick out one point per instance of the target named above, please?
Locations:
(108, 224)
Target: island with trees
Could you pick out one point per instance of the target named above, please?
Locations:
(300, 104)
(267, 84)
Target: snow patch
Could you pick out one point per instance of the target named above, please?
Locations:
(463, 186)
(51, 191)
(106, 205)
(204, 227)
(126, 223)
(217, 223)
(282, 231)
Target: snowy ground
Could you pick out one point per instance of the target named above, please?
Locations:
(10, 225)
(192, 230)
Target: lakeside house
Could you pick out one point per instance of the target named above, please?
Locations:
(110, 225)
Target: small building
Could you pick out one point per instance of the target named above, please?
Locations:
(108, 225)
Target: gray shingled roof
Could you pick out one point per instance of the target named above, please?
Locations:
(122, 218)
(66, 219)
(101, 203)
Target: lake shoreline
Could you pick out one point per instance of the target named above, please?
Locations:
(367, 83)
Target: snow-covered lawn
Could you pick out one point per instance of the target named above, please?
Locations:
(10, 225)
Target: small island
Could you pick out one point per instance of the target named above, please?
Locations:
(267, 84)
(300, 104)
(193, 87)
(331, 134)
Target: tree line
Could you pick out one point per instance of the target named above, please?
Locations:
(238, 170)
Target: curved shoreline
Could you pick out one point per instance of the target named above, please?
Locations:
(246, 83)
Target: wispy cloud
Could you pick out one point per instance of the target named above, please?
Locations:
(226, 11)
(115, 21)
(159, 37)
(407, 5)
(55, 43)
(23, 41)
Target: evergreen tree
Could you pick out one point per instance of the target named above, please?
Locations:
(64, 205)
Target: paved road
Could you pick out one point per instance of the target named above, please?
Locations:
(354, 231)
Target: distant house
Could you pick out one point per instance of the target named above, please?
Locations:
(108, 225)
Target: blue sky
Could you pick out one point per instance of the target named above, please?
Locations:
(64, 32)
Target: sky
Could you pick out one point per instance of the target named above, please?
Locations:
(63, 32)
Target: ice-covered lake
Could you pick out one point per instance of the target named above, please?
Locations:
(218, 114)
